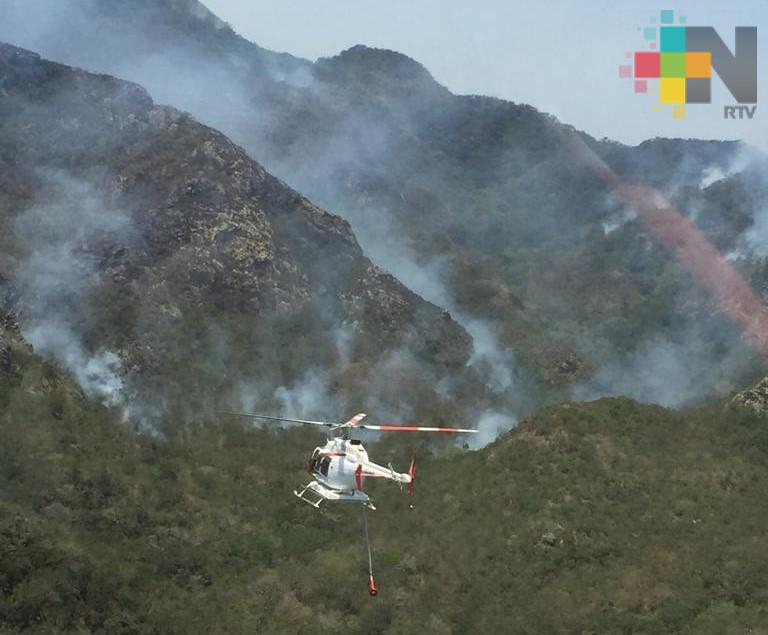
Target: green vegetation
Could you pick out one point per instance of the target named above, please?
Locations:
(607, 517)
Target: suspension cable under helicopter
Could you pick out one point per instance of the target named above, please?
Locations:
(371, 581)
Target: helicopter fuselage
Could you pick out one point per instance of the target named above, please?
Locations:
(343, 464)
(339, 470)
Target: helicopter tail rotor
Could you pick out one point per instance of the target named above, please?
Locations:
(412, 483)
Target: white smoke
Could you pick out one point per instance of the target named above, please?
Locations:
(343, 339)
(617, 220)
(383, 245)
(755, 239)
(98, 374)
(670, 372)
(58, 272)
(487, 353)
(386, 390)
(490, 425)
(737, 254)
(308, 398)
(738, 163)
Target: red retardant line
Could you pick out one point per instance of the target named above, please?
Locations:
(688, 244)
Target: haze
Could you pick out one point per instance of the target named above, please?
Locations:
(563, 59)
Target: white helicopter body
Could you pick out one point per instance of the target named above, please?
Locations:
(339, 470)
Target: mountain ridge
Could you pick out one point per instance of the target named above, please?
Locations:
(177, 228)
(474, 203)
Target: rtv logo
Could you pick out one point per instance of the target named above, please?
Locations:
(679, 59)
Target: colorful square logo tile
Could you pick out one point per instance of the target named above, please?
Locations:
(672, 90)
(672, 39)
(673, 64)
(647, 64)
(679, 112)
(698, 90)
(698, 64)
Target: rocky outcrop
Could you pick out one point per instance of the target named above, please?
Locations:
(754, 398)
(561, 366)
(6, 360)
(188, 231)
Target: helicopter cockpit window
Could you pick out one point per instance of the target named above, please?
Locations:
(314, 462)
(325, 462)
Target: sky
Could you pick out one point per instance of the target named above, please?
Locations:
(562, 59)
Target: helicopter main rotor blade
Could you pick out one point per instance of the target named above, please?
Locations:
(393, 428)
(327, 424)
(353, 422)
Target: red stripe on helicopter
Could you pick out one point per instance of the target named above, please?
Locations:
(356, 419)
(415, 429)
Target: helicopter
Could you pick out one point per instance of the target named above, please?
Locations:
(340, 467)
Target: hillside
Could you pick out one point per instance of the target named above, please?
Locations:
(474, 203)
(607, 517)
(145, 248)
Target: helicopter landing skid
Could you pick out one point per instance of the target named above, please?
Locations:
(314, 493)
(309, 495)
